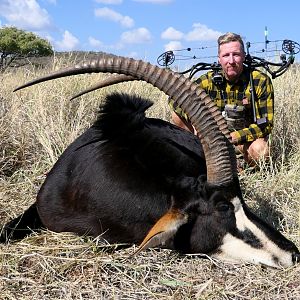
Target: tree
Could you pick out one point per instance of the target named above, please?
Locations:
(17, 44)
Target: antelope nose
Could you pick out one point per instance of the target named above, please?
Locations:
(296, 257)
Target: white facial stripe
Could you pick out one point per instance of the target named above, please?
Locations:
(234, 250)
(233, 247)
(241, 219)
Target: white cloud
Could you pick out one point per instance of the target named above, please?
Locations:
(136, 36)
(173, 45)
(133, 54)
(109, 1)
(95, 43)
(68, 43)
(26, 14)
(172, 34)
(107, 13)
(155, 1)
(202, 33)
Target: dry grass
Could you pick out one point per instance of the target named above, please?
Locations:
(37, 124)
(56, 266)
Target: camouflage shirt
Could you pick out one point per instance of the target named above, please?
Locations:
(239, 94)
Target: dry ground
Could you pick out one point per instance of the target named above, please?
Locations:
(36, 125)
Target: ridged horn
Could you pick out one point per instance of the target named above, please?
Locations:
(106, 82)
(218, 151)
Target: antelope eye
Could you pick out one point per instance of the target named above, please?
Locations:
(223, 206)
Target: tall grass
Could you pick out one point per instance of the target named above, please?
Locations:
(38, 123)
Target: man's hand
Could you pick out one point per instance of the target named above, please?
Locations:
(234, 137)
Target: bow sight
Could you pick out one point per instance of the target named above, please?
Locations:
(289, 48)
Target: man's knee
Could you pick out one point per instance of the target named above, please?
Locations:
(259, 149)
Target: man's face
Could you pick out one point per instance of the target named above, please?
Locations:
(231, 58)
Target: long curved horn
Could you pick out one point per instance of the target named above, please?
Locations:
(106, 82)
(218, 151)
(117, 78)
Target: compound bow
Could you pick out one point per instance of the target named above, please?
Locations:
(289, 48)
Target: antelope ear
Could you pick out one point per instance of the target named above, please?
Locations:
(163, 229)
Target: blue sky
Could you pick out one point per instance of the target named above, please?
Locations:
(146, 28)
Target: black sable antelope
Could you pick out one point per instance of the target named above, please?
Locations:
(134, 179)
